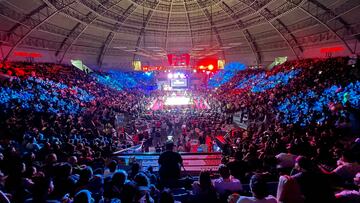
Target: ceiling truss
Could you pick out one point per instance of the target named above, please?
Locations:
(142, 31)
(79, 28)
(256, 11)
(29, 23)
(130, 9)
(323, 15)
(239, 24)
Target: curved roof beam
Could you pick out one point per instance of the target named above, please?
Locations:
(208, 17)
(112, 33)
(280, 28)
(167, 25)
(31, 22)
(79, 18)
(79, 28)
(27, 17)
(105, 46)
(142, 31)
(284, 32)
(324, 18)
(189, 23)
(249, 39)
(252, 44)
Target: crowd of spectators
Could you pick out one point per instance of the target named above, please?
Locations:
(59, 130)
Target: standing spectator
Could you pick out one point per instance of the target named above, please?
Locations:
(170, 165)
(226, 184)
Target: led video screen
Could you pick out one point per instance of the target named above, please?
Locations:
(178, 82)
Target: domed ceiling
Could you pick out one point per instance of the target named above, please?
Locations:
(112, 33)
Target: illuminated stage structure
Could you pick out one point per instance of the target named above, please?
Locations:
(177, 84)
(178, 100)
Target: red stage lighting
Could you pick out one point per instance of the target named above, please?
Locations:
(208, 64)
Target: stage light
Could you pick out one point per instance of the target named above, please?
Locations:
(182, 75)
(170, 75)
(208, 72)
(194, 70)
(221, 64)
(202, 67)
(210, 67)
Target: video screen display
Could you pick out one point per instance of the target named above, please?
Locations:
(179, 82)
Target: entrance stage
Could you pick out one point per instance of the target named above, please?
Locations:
(169, 102)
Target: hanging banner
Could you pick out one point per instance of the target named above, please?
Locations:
(178, 59)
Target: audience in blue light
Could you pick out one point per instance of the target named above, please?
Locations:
(44, 96)
(126, 80)
(223, 76)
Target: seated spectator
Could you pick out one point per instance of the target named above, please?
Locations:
(96, 187)
(86, 174)
(350, 196)
(288, 190)
(135, 169)
(314, 185)
(63, 181)
(99, 162)
(233, 198)
(259, 190)
(152, 177)
(238, 166)
(143, 188)
(43, 187)
(203, 190)
(347, 167)
(83, 196)
(112, 166)
(129, 192)
(226, 184)
(116, 185)
(167, 197)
